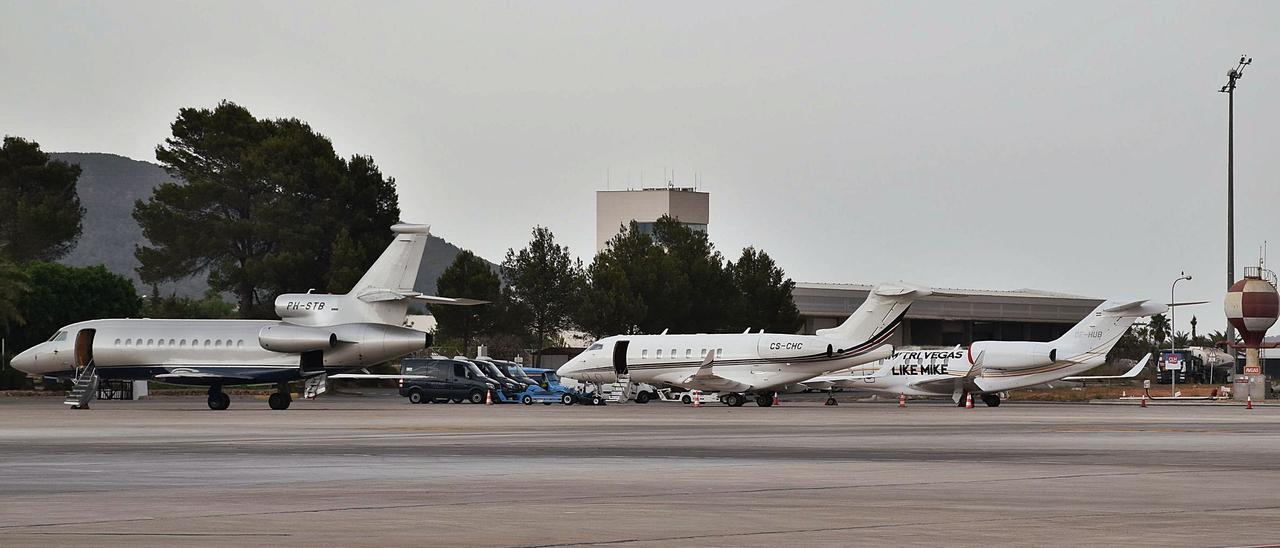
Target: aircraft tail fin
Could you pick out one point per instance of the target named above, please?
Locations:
(879, 315)
(1100, 331)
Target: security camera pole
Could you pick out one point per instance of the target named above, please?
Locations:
(1230, 89)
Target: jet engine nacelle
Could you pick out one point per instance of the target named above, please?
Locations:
(379, 342)
(295, 338)
(1011, 355)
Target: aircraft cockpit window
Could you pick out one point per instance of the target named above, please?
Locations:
(596, 346)
(59, 336)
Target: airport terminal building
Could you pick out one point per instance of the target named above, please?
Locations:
(1020, 315)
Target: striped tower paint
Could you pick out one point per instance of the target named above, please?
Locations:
(1252, 305)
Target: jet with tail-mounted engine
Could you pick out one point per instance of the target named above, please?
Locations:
(741, 364)
(317, 334)
(987, 368)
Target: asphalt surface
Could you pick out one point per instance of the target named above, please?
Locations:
(351, 471)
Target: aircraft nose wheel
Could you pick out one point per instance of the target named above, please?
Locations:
(279, 401)
(992, 400)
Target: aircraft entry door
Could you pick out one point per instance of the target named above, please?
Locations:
(84, 348)
(620, 357)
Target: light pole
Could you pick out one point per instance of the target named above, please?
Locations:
(1230, 89)
(1173, 330)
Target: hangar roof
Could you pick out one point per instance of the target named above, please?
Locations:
(1033, 305)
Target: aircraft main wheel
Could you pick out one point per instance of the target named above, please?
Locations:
(415, 396)
(733, 400)
(527, 400)
(279, 401)
(764, 400)
(566, 399)
(219, 401)
(642, 397)
(992, 400)
(476, 397)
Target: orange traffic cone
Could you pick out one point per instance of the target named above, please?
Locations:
(697, 398)
(1144, 400)
(902, 400)
(1248, 402)
(968, 401)
(488, 397)
(776, 401)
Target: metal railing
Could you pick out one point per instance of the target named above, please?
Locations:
(1260, 273)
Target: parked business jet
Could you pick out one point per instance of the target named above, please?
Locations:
(987, 368)
(737, 364)
(317, 334)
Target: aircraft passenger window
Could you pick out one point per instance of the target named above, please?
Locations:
(703, 354)
(117, 342)
(150, 342)
(160, 342)
(182, 342)
(673, 353)
(218, 343)
(170, 342)
(207, 342)
(644, 354)
(719, 352)
(659, 353)
(688, 353)
(128, 342)
(239, 343)
(228, 343)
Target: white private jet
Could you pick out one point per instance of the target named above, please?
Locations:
(317, 334)
(987, 368)
(746, 363)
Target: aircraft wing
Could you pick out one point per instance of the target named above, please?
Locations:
(379, 377)
(1131, 373)
(198, 375)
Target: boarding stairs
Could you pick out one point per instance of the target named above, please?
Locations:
(314, 386)
(624, 390)
(86, 387)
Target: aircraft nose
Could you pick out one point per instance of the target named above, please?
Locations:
(24, 362)
(570, 369)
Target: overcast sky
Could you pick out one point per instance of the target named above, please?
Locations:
(1076, 147)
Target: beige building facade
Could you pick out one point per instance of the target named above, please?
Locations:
(617, 208)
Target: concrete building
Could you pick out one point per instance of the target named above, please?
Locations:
(1024, 314)
(617, 208)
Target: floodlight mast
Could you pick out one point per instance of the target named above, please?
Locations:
(1230, 89)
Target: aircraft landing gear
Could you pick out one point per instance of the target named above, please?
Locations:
(733, 400)
(281, 399)
(992, 400)
(218, 400)
(764, 399)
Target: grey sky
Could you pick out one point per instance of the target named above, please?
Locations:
(1075, 146)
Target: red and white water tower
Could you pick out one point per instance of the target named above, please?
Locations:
(1252, 306)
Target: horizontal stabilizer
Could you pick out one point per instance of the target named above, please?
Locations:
(375, 295)
(1139, 308)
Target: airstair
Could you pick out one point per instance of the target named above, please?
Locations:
(314, 386)
(85, 389)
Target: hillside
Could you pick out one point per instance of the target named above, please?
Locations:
(108, 187)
